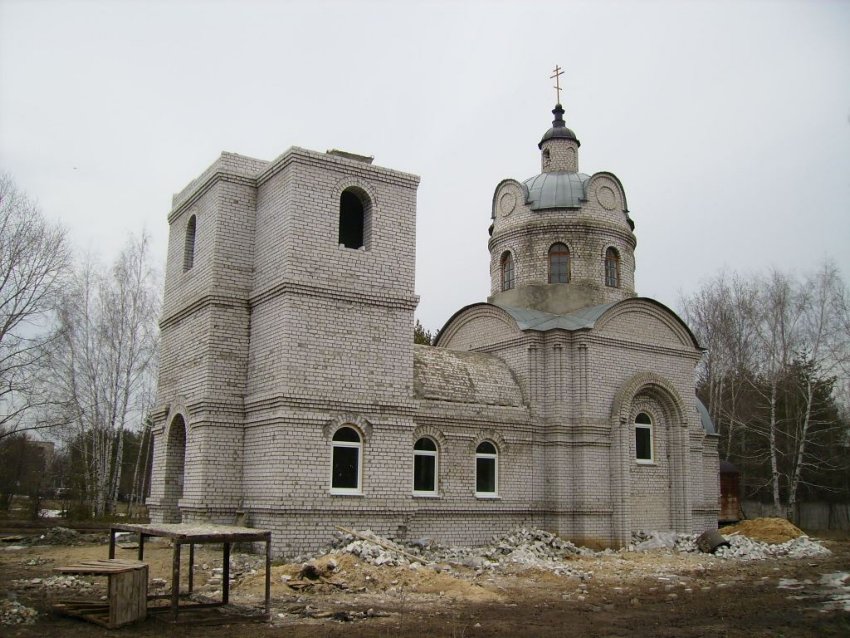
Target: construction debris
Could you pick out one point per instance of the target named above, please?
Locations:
(739, 546)
(14, 613)
(710, 540)
(54, 583)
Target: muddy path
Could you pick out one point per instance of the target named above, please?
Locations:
(636, 594)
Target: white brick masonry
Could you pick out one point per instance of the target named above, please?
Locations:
(278, 335)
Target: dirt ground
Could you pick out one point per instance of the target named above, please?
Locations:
(622, 594)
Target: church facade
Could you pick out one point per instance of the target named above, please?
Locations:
(291, 396)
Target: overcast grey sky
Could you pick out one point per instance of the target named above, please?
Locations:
(727, 122)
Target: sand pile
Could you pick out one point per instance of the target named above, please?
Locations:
(766, 530)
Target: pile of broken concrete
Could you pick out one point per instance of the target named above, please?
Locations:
(735, 546)
(525, 547)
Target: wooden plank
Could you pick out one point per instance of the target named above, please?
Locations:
(128, 597)
(198, 533)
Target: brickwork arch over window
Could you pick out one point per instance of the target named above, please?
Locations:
(643, 439)
(425, 466)
(355, 219)
(346, 461)
(189, 244)
(612, 268)
(486, 470)
(507, 266)
(559, 264)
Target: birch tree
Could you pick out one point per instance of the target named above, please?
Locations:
(773, 377)
(104, 368)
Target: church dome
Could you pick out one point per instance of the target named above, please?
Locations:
(561, 189)
(559, 130)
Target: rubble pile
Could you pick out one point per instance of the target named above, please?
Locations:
(740, 547)
(744, 548)
(241, 566)
(14, 613)
(371, 548)
(520, 547)
(54, 583)
(55, 536)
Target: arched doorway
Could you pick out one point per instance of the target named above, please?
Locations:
(175, 463)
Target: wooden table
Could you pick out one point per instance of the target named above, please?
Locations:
(197, 534)
(127, 587)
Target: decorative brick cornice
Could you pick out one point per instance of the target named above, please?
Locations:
(200, 303)
(563, 226)
(404, 302)
(256, 405)
(321, 160)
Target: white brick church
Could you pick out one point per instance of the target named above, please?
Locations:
(291, 395)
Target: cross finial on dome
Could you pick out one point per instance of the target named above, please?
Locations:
(557, 77)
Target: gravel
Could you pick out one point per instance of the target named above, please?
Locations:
(14, 613)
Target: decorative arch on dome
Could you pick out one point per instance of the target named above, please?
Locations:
(469, 314)
(658, 310)
(604, 177)
(502, 188)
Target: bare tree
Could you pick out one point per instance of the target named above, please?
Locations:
(105, 365)
(33, 256)
(824, 345)
(776, 367)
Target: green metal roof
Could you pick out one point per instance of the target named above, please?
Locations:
(530, 319)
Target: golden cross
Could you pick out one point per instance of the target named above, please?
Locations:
(557, 77)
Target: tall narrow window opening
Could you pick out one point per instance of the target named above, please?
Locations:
(559, 264)
(189, 245)
(507, 267)
(486, 470)
(425, 466)
(612, 268)
(643, 439)
(354, 219)
(345, 464)
(175, 468)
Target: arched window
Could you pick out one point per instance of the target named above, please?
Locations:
(643, 439)
(355, 219)
(486, 470)
(612, 268)
(507, 271)
(189, 245)
(559, 264)
(425, 466)
(345, 464)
